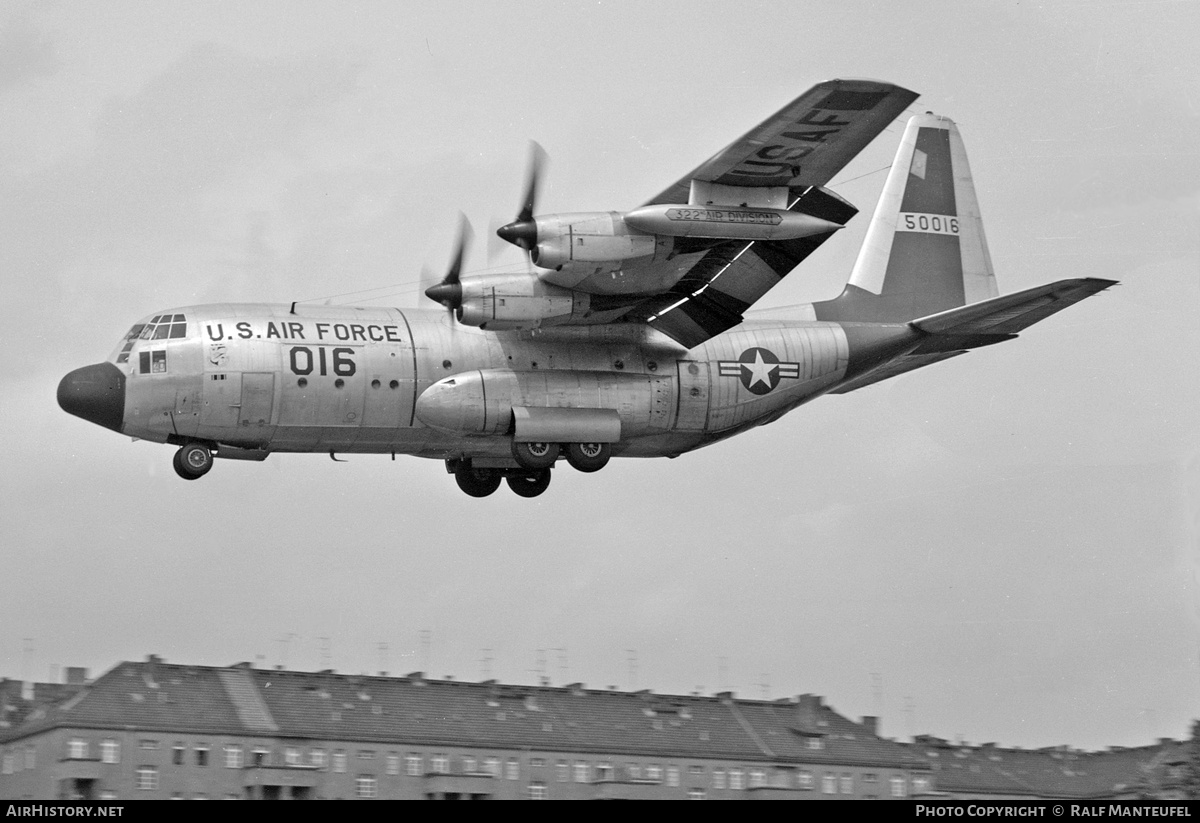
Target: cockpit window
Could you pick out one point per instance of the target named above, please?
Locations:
(162, 327)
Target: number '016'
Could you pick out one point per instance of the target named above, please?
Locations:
(301, 358)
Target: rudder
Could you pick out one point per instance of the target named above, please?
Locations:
(925, 250)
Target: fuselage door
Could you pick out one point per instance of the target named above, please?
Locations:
(692, 410)
(258, 400)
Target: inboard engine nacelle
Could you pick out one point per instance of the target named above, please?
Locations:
(510, 302)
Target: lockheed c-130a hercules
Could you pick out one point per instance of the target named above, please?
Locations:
(624, 338)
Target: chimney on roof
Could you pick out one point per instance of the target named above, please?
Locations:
(725, 697)
(1165, 741)
(76, 676)
(808, 712)
(576, 689)
(871, 724)
(417, 678)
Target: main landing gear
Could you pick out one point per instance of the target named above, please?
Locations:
(586, 457)
(193, 461)
(482, 482)
(534, 462)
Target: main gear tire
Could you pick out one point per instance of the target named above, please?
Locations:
(530, 484)
(588, 457)
(535, 456)
(477, 482)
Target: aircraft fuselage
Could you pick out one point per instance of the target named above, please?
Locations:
(253, 379)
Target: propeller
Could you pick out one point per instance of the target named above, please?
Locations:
(522, 232)
(449, 291)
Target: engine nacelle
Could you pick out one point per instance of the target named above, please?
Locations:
(589, 238)
(511, 302)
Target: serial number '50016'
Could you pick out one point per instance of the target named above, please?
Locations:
(931, 223)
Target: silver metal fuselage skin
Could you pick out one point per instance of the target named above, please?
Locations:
(348, 379)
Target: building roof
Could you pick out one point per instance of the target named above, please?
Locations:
(241, 700)
(1058, 771)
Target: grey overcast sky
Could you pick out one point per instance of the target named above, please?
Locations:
(1004, 547)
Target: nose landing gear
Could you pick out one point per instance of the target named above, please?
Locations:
(192, 461)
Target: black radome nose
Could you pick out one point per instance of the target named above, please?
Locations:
(95, 393)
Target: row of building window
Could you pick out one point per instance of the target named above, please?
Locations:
(734, 779)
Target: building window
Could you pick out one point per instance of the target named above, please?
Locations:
(829, 784)
(737, 779)
(110, 751)
(470, 766)
(654, 772)
(696, 771)
(8, 763)
(147, 778)
(177, 754)
(537, 791)
(393, 764)
(672, 775)
(412, 765)
(366, 754)
(695, 794)
(562, 771)
(537, 762)
(758, 778)
(339, 762)
(634, 771)
(581, 772)
(897, 787)
(202, 754)
(604, 771)
(815, 743)
(77, 748)
(870, 777)
(148, 745)
(847, 782)
(920, 785)
(718, 778)
(513, 770)
(317, 758)
(805, 780)
(291, 756)
(108, 795)
(30, 757)
(366, 787)
(262, 757)
(233, 757)
(491, 765)
(440, 764)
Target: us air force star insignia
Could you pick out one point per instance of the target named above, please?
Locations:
(759, 369)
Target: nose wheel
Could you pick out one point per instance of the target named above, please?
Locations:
(193, 461)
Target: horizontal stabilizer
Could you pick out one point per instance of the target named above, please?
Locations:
(1004, 316)
(894, 368)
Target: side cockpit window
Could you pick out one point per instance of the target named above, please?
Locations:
(152, 362)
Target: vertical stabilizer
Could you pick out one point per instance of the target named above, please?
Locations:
(925, 250)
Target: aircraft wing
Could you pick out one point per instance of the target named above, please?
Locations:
(800, 148)
(805, 143)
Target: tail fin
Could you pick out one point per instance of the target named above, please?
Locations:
(925, 251)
